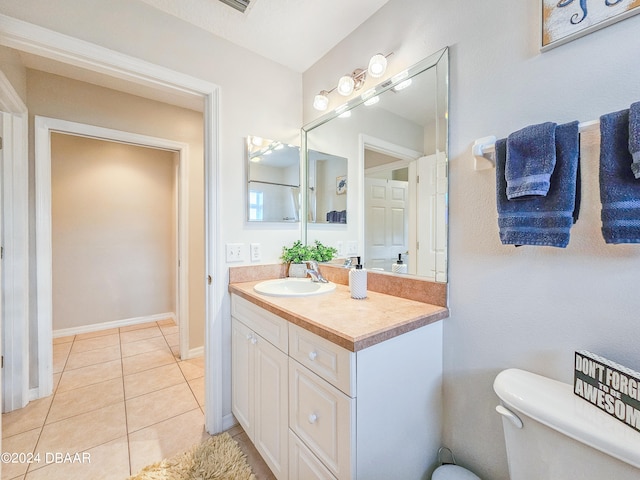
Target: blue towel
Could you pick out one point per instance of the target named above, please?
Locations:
(634, 137)
(542, 220)
(619, 190)
(531, 158)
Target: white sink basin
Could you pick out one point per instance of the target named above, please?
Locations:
(293, 287)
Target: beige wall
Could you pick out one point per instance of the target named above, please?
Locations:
(113, 216)
(66, 99)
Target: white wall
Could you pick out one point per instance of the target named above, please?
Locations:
(257, 96)
(527, 307)
(113, 229)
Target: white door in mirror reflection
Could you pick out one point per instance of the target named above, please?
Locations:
(386, 222)
(431, 239)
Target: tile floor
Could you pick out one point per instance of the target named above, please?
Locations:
(122, 400)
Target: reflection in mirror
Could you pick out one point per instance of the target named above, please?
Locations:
(327, 188)
(273, 181)
(396, 151)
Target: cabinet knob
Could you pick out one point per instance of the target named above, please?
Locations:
(312, 356)
(312, 418)
(254, 340)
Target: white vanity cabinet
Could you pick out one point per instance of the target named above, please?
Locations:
(259, 379)
(366, 415)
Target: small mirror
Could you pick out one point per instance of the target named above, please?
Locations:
(273, 181)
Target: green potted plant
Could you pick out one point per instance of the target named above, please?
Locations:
(297, 255)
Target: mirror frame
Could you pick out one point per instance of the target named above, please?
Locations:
(425, 64)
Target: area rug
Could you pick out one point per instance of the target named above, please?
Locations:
(217, 458)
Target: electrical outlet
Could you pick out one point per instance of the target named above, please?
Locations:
(234, 252)
(340, 248)
(352, 248)
(256, 252)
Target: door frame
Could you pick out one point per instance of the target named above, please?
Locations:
(37, 40)
(43, 127)
(15, 271)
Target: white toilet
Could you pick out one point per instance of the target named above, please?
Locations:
(552, 434)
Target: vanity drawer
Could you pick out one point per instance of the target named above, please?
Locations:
(269, 326)
(323, 418)
(332, 362)
(303, 464)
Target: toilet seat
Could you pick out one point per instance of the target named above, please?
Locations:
(453, 472)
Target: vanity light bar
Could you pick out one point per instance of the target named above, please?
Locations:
(354, 81)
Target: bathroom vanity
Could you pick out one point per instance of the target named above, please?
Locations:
(328, 387)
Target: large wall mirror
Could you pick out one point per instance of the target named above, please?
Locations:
(273, 181)
(394, 141)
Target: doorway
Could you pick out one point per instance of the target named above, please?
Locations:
(70, 51)
(44, 129)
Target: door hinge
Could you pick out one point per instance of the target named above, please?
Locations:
(1, 143)
(2, 361)
(418, 179)
(209, 279)
(1, 253)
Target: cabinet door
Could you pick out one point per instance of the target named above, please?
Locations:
(242, 375)
(271, 407)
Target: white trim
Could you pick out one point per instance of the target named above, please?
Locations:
(229, 421)
(194, 353)
(47, 43)
(214, 267)
(127, 322)
(15, 271)
(44, 255)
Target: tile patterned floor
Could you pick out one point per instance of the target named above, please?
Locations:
(122, 400)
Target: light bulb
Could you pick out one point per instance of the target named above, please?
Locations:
(377, 65)
(402, 85)
(321, 101)
(372, 101)
(346, 85)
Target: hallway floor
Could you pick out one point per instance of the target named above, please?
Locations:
(122, 400)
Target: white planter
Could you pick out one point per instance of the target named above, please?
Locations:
(298, 270)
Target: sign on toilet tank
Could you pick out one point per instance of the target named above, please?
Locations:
(611, 387)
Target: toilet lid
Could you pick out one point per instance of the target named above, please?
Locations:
(453, 472)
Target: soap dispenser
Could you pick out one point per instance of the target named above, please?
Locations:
(358, 281)
(399, 266)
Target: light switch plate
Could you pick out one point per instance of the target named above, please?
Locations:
(234, 252)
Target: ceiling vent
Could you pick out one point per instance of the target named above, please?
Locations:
(240, 5)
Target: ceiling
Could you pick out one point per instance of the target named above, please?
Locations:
(294, 33)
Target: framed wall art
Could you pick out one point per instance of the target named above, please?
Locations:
(341, 185)
(566, 20)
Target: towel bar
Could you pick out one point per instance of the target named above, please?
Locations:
(484, 149)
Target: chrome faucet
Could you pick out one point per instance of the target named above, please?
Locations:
(314, 271)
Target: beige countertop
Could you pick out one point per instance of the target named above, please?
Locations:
(352, 324)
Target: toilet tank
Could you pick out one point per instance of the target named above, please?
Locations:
(552, 434)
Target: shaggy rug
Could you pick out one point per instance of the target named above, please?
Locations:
(217, 458)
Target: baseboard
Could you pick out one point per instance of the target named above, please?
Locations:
(34, 394)
(64, 332)
(228, 421)
(194, 352)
